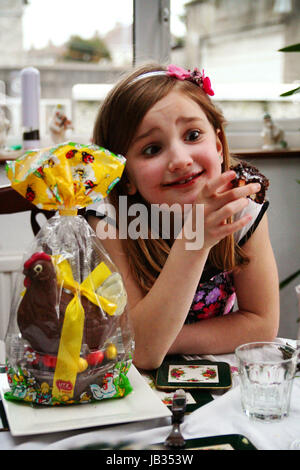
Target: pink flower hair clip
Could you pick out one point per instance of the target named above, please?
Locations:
(194, 76)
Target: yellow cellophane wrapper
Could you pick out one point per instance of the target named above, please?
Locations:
(69, 176)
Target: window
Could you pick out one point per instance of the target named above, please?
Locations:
(237, 44)
(89, 43)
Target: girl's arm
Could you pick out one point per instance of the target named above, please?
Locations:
(158, 317)
(257, 289)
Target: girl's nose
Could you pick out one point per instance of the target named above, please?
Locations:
(179, 160)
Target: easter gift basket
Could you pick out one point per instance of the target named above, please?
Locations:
(69, 338)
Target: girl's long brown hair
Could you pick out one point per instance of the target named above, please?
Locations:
(116, 124)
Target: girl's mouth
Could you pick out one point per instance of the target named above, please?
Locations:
(184, 182)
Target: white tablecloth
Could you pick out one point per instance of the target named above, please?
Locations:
(223, 415)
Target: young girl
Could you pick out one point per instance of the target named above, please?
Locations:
(181, 300)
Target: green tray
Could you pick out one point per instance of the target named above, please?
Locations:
(225, 442)
(176, 372)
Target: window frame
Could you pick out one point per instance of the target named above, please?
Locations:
(152, 41)
(151, 31)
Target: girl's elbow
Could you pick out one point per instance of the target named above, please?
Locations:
(147, 361)
(271, 329)
(274, 332)
(270, 335)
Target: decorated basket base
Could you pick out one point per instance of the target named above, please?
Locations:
(35, 386)
(69, 339)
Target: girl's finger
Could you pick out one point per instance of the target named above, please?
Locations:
(217, 183)
(236, 225)
(221, 215)
(235, 194)
(226, 187)
(230, 228)
(243, 191)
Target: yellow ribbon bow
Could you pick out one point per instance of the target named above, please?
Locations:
(66, 369)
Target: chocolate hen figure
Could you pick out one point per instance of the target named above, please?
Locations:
(41, 311)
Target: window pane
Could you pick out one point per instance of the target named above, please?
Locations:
(237, 44)
(70, 43)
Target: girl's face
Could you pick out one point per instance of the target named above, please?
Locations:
(174, 153)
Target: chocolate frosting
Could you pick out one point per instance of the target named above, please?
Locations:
(245, 174)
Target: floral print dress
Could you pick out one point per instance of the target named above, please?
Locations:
(213, 298)
(215, 295)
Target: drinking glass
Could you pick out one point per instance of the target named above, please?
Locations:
(266, 378)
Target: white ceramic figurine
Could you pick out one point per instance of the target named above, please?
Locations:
(4, 127)
(273, 136)
(58, 125)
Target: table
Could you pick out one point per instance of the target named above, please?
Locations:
(8, 154)
(223, 415)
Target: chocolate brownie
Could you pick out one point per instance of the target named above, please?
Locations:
(245, 174)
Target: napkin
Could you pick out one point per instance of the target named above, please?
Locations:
(225, 416)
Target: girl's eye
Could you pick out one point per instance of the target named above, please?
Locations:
(151, 150)
(192, 135)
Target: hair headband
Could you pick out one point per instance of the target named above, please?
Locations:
(194, 76)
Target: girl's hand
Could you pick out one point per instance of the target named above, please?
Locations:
(221, 202)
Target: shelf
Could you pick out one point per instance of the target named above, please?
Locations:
(260, 153)
(10, 155)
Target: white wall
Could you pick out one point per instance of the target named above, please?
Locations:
(284, 223)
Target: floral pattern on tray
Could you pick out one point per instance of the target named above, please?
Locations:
(193, 373)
